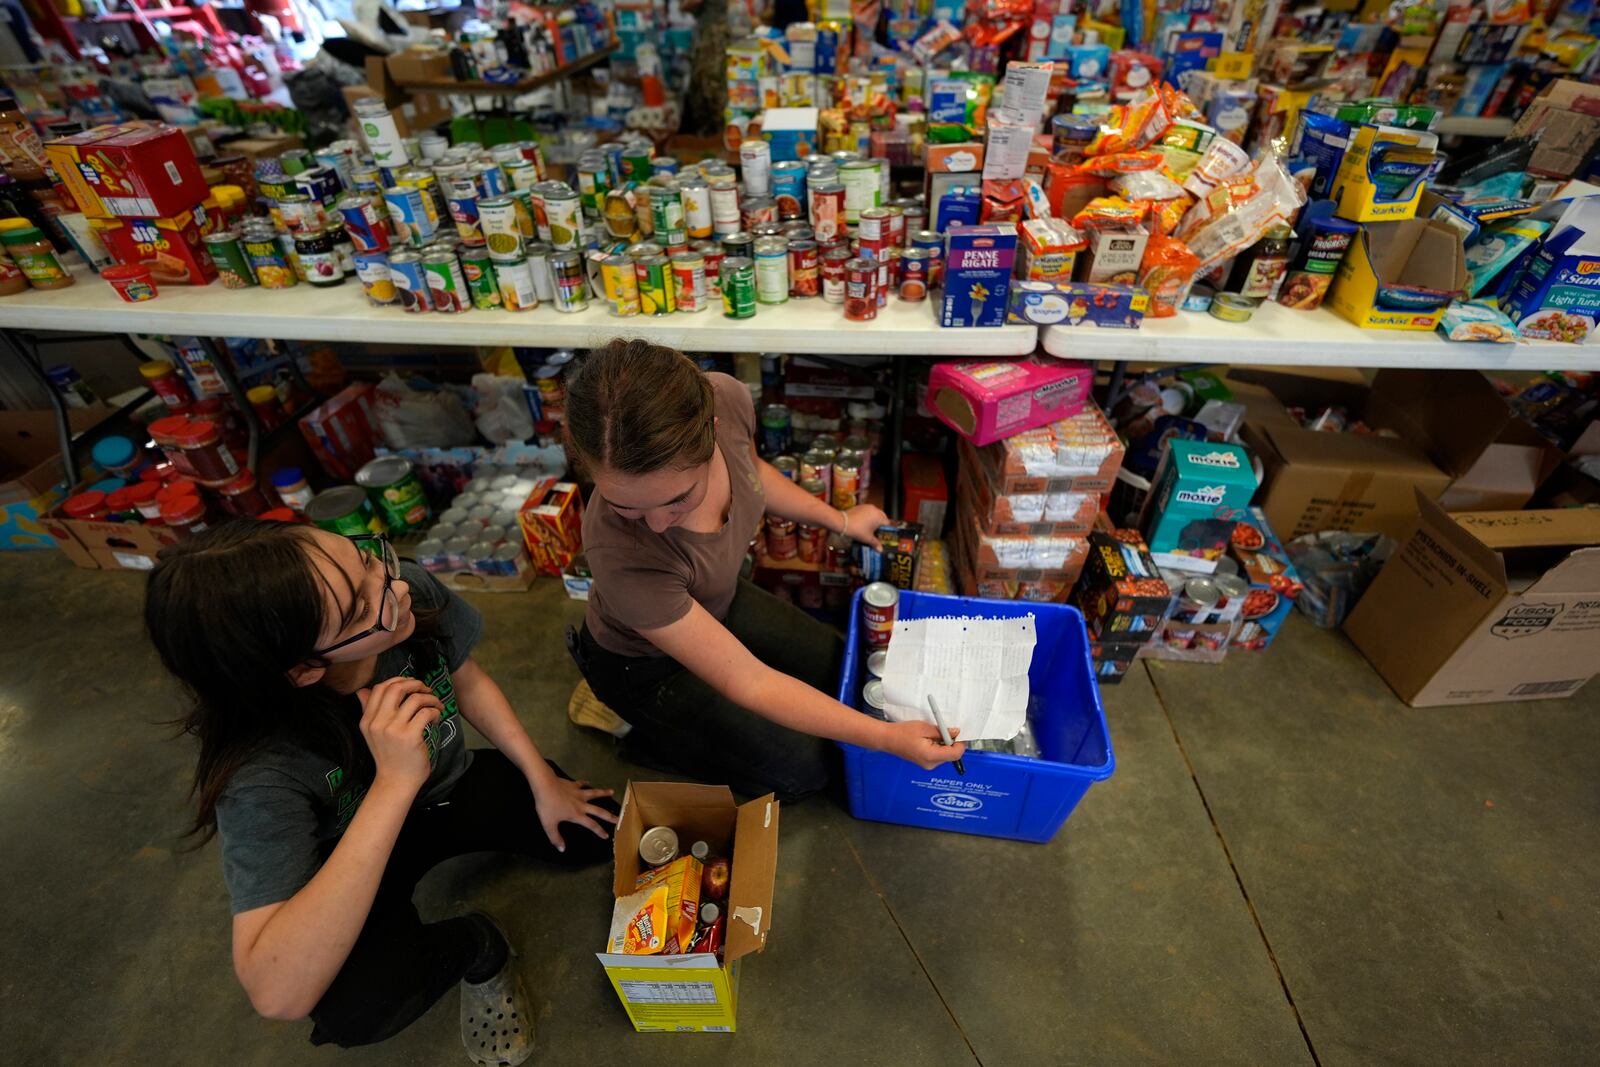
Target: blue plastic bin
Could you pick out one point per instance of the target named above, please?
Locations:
(1018, 797)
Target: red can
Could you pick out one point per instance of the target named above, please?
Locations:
(805, 273)
(713, 253)
(833, 261)
(753, 211)
(873, 230)
(879, 602)
(781, 540)
(827, 210)
(897, 225)
(812, 542)
(861, 289)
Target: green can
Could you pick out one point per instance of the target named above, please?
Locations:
(391, 484)
(345, 510)
(666, 211)
(739, 287)
(636, 165)
(657, 296)
(233, 267)
(481, 280)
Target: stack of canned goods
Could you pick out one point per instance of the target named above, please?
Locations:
(481, 531)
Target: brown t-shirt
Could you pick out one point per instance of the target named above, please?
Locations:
(644, 580)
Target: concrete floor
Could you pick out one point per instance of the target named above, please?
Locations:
(1289, 867)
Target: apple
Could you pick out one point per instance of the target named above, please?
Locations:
(714, 880)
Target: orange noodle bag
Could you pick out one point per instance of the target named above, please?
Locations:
(1166, 273)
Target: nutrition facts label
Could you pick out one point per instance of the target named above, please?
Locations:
(669, 992)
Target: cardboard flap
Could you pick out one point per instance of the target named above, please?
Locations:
(1444, 527)
(1451, 415)
(755, 868)
(1340, 451)
(1579, 573)
(1389, 246)
(1549, 528)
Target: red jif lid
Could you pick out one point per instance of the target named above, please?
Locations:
(198, 434)
(181, 488)
(279, 515)
(122, 499)
(182, 509)
(76, 507)
(142, 493)
(152, 474)
(168, 428)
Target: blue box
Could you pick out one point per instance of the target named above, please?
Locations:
(1274, 583)
(1199, 490)
(1014, 797)
(977, 274)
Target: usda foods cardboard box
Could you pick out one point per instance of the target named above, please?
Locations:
(694, 993)
(1485, 606)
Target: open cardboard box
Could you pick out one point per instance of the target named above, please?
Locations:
(31, 474)
(1313, 481)
(1453, 619)
(1413, 252)
(1564, 122)
(694, 993)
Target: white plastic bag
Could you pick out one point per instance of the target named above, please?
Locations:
(503, 413)
(421, 415)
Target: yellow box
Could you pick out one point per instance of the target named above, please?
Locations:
(1411, 252)
(1359, 197)
(1233, 66)
(695, 993)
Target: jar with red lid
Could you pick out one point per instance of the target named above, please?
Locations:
(212, 462)
(216, 409)
(165, 433)
(243, 495)
(119, 505)
(86, 507)
(264, 400)
(165, 381)
(184, 515)
(143, 497)
(279, 515)
(181, 488)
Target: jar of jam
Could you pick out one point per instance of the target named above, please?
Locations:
(119, 505)
(264, 401)
(166, 434)
(243, 495)
(165, 381)
(184, 515)
(319, 257)
(33, 253)
(12, 280)
(143, 498)
(201, 440)
(86, 507)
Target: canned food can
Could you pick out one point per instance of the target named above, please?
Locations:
(658, 845)
(811, 542)
(916, 219)
(571, 290)
(777, 429)
(455, 552)
(233, 266)
(366, 180)
(636, 165)
(914, 263)
(817, 465)
(813, 486)
(490, 180)
(781, 540)
(544, 278)
(861, 290)
(268, 260)
(725, 215)
(873, 227)
(447, 285)
(412, 221)
(480, 559)
(738, 287)
(878, 663)
(410, 282)
(897, 225)
(740, 244)
(879, 602)
(300, 213)
(594, 182)
(846, 482)
(768, 229)
(478, 270)
(391, 483)
(755, 210)
(666, 213)
(833, 273)
(511, 560)
(933, 242)
(643, 250)
(755, 163)
(501, 228)
(663, 165)
(872, 697)
(805, 272)
(787, 466)
(656, 295)
(345, 510)
(620, 282)
(712, 253)
(562, 209)
(521, 175)
(862, 188)
(373, 270)
(772, 270)
(689, 281)
(515, 281)
(368, 230)
(461, 198)
(789, 189)
(696, 208)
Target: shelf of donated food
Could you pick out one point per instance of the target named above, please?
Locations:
(342, 313)
(1282, 336)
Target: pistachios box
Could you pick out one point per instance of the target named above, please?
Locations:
(978, 261)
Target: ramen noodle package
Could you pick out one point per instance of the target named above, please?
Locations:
(1166, 272)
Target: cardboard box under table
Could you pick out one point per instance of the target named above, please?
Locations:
(1001, 795)
(31, 473)
(693, 992)
(1480, 607)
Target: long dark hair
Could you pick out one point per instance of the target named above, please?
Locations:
(230, 611)
(634, 407)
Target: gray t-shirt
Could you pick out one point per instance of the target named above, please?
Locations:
(280, 814)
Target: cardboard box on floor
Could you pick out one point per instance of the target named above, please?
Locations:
(1445, 421)
(693, 993)
(31, 475)
(1450, 620)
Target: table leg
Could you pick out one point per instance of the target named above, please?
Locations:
(30, 359)
(897, 422)
(224, 364)
(1114, 386)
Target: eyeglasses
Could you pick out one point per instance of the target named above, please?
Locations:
(388, 604)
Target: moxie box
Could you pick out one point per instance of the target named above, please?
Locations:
(1200, 490)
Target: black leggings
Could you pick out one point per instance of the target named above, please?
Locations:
(683, 725)
(400, 965)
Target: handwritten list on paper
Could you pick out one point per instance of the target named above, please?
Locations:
(977, 670)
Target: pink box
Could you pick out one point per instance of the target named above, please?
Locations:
(987, 400)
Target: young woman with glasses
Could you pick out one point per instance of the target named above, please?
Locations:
(719, 680)
(329, 682)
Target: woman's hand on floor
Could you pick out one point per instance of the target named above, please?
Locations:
(560, 800)
(920, 743)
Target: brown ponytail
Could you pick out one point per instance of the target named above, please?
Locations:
(634, 407)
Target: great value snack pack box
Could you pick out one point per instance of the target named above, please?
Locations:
(986, 400)
(1199, 490)
(1274, 583)
(978, 261)
(695, 992)
(1078, 304)
(1557, 295)
(174, 248)
(129, 171)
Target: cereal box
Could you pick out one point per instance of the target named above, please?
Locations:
(977, 274)
(986, 400)
(173, 247)
(1199, 491)
(129, 171)
(1557, 296)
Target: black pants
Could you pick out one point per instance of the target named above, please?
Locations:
(681, 724)
(401, 965)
